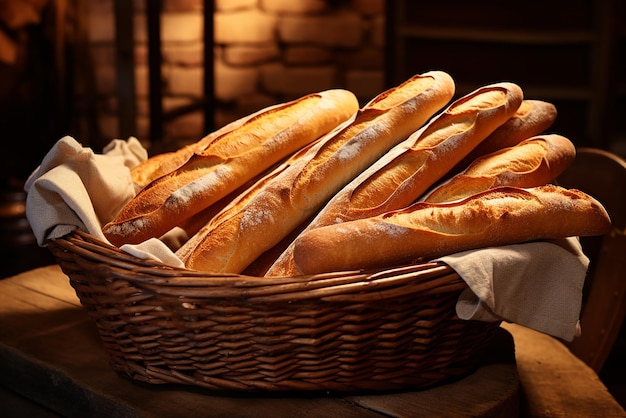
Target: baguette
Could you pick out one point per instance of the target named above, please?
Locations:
(533, 162)
(501, 216)
(297, 193)
(228, 162)
(532, 118)
(410, 168)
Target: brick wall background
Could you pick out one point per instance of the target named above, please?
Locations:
(265, 52)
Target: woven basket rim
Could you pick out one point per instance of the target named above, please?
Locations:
(177, 281)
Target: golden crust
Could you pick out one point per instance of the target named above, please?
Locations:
(532, 162)
(532, 118)
(499, 216)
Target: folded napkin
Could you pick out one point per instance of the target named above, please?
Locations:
(75, 188)
(537, 285)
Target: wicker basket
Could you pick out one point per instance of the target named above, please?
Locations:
(384, 330)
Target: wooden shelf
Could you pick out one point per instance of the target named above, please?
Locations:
(522, 37)
(573, 62)
(576, 94)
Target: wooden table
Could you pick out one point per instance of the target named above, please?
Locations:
(52, 362)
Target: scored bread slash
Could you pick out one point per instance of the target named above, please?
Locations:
(532, 162)
(532, 118)
(500, 216)
(410, 168)
(227, 162)
(298, 192)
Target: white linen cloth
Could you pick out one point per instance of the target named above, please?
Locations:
(75, 188)
(537, 285)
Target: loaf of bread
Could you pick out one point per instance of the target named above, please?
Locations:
(532, 118)
(410, 168)
(532, 162)
(423, 231)
(293, 196)
(227, 162)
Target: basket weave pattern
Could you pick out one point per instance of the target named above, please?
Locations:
(391, 329)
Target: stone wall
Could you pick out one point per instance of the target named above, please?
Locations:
(265, 52)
